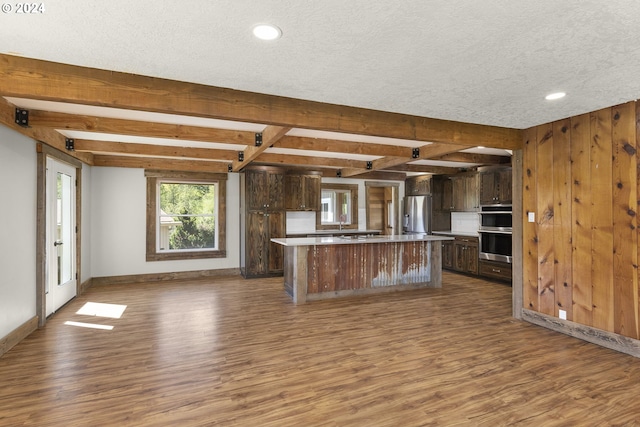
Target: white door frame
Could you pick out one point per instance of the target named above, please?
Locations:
(44, 151)
(61, 280)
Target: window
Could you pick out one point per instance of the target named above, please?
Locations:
(185, 215)
(335, 206)
(338, 206)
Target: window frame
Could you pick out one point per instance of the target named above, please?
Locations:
(154, 177)
(353, 189)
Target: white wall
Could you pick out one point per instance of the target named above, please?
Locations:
(18, 230)
(118, 226)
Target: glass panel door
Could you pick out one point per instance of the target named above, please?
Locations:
(61, 205)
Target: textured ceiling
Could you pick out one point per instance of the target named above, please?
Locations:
(487, 62)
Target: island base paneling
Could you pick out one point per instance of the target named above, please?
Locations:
(332, 267)
(351, 267)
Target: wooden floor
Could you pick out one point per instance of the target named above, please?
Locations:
(235, 352)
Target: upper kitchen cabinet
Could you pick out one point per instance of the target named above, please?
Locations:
(265, 189)
(495, 186)
(419, 185)
(442, 190)
(302, 190)
(466, 196)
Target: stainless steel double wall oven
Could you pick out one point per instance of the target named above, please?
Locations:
(495, 231)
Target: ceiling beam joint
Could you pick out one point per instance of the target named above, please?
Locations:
(22, 117)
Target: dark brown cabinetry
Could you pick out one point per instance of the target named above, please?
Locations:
(495, 187)
(264, 189)
(465, 254)
(442, 190)
(495, 270)
(462, 255)
(302, 191)
(447, 254)
(262, 204)
(264, 258)
(419, 185)
(442, 201)
(466, 197)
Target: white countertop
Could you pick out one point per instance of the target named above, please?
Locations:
(335, 240)
(456, 233)
(333, 232)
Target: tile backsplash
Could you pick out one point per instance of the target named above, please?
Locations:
(301, 222)
(465, 222)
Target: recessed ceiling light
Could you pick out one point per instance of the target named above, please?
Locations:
(480, 146)
(267, 32)
(553, 96)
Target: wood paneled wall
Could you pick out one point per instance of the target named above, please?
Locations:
(580, 179)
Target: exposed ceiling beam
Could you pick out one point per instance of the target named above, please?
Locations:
(101, 147)
(162, 164)
(293, 160)
(383, 163)
(86, 123)
(269, 136)
(46, 135)
(335, 146)
(376, 175)
(30, 78)
(426, 152)
(64, 121)
(436, 150)
(484, 159)
(439, 170)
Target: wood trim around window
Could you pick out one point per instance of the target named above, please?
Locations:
(354, 207)
(152, 185)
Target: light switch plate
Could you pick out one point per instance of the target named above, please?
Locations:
(532, 217)
(562, 314)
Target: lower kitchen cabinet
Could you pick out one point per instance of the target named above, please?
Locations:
(462, 255)
(465, 254)
(263, 257)
(447, 254)
(496, 270)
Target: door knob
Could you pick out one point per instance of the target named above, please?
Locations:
(58, 243)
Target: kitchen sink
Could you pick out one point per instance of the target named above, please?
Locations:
(359, 237)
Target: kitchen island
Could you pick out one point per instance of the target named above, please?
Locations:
(331, 267)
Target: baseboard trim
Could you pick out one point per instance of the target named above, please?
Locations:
(159, 277)
(586, 333)
(18, 334)
(85, 285)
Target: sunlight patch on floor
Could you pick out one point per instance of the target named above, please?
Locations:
(113, 311)
(89, 325)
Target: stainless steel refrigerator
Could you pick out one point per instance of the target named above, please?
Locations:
(417, 215)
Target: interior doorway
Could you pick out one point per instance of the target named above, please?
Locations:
(382, 207)
(60, 246)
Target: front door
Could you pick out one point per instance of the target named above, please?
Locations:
(60, 235)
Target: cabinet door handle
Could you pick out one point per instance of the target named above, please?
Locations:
(495, 270)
